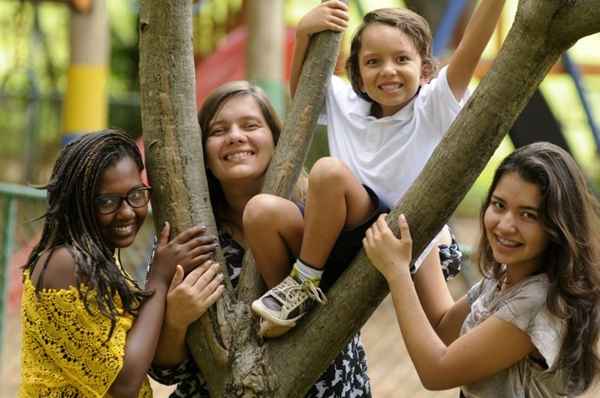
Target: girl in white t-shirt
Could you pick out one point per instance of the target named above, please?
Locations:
(381, 129)
(531, 326)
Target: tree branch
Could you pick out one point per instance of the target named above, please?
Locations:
(580, 19)
(478, 130)
(296, 136)
(172, 137)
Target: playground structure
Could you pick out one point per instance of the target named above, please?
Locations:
(231, 47)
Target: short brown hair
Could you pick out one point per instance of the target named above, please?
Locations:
(410, 23)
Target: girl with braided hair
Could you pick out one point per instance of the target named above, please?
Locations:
(89, 330)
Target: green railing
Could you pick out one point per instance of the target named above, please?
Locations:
(9, 195)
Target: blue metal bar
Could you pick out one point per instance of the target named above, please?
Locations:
(447, 26)
(573, 71)
(10, 215)
(20, 191)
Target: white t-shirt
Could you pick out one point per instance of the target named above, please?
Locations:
(387, 154)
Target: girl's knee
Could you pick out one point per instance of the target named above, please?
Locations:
(264, 208)
(328, 170)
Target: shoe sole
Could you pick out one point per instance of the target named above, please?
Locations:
(270, 330)
(266, 313)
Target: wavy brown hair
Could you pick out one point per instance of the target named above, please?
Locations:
(570, 215)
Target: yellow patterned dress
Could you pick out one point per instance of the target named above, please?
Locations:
(66, 351)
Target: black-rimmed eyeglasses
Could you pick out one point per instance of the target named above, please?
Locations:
(137, 197)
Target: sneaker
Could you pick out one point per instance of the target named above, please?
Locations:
(289, 301)
(268, 329)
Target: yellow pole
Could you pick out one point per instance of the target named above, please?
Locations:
(85, 106)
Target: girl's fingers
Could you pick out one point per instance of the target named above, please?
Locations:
(208, 276)
(163, 239)
(341, 15)
(337, 4)
(189, 233)
(212, 285)
(378, 226)
(199, 241)
(197, 261)
(201, 250)
(196, 273)
(215, 295)
(404, 229)
(177, 277)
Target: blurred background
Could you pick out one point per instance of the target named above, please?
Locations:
(68, 67)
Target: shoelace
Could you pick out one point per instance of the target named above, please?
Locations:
(292, 291)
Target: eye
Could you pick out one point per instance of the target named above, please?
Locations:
(216, 131)
(402, 59)
(371, 62)
(138, 197)
(107, 203)
(529, 215)
(251, 125)
(496, 204)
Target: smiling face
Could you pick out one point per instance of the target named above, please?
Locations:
(391, 68)
(513, 225)
(240, 143)
(120, 228)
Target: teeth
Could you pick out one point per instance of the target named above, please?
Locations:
(390, 87)
(238, 156)
(125, 229)
(507, 242)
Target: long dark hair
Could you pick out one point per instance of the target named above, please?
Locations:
(570, 215)
(70, 221)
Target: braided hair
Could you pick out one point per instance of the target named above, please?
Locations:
(70, 222)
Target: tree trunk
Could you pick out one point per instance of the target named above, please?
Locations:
(236, 364)
(174, 149)
(296, 136)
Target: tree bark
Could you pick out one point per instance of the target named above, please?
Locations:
(296, 136)
(486, 118)
(232, 359)
(174, 150)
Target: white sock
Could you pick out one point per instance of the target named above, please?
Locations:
(304, 272)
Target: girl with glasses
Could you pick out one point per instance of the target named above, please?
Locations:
(89, 330)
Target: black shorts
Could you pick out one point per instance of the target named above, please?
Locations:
(348, 244)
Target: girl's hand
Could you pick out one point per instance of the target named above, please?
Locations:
(189, 298)
(390, 255)
(330, 15)
(189, 249)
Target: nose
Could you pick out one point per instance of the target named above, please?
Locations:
(506, 223)
(236, 135)
(125, 211)
(388, 68)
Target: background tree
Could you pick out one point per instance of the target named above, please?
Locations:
(239, 364)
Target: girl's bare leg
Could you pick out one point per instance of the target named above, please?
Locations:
(336, 199)
(273, 228)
